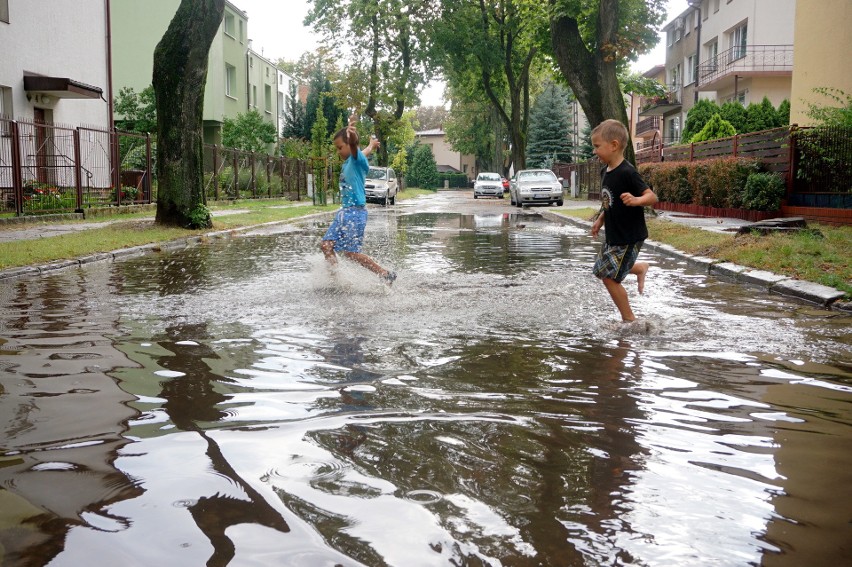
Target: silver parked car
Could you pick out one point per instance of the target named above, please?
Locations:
(488, 185)
(535, 186)
(381, 185)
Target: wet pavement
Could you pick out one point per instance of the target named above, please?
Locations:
(231, 402)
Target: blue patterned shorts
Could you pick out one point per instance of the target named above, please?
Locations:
(347, 229)
(614, 262)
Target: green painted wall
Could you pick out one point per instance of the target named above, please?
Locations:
(137, 28)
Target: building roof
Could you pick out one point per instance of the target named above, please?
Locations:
(447, 169)
(432, 132)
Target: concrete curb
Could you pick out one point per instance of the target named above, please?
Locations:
(774, 283)
(135, 251)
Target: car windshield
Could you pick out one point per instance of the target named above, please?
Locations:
(536, 176)
(377, 173)
(489, 177)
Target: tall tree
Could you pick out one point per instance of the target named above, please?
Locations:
(590, 39)
(387, 44)
(549, 126)
(179, 77)
(495, 43)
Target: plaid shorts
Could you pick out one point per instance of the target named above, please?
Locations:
(614, 262)
(347, 229)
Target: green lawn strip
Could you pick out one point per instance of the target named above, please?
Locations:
(804, 255)
(126, 233)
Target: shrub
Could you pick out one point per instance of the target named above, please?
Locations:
(698, 116)
(713, 183)
(763, 192)
(716, 128)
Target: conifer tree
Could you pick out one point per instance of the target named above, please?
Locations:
(547, 138)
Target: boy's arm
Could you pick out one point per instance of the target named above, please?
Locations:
(374, 143)
(596, 226)
(647, 199)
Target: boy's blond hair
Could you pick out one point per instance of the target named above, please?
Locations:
(612, 131)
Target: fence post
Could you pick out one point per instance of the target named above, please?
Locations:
(736, 143)
(78, 172)
(791, 162)
(268, 177)
(253, 178)
(691, 151)
(17, 179)
(215, 172)
(116, 161)
(236, 175)
(150, 175)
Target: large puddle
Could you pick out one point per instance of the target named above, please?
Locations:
(233, 403)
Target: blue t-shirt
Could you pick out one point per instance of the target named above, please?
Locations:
(352, 177)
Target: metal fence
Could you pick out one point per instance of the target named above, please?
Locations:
(47, 168)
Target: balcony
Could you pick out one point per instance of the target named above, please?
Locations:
(663, 104)
(648, 126)
(745, 61)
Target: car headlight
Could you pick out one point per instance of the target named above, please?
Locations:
(525, 190)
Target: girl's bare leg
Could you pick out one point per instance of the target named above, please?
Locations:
(367, 262)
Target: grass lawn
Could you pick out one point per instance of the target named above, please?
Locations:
(136, 229)
(820, 256)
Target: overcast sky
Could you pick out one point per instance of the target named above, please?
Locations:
(276, 30)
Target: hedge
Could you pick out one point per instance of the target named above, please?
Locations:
(712, 183)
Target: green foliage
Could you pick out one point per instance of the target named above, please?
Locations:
(320, 96)
(424, 171)
(547, 138)
(294, 115)
(712, 183)
(295, 148)
(715, 128)
(248, 132)
(320, 151)
(200, 217)
(763, 192)
(586, 150)
(837, 114)
(736, 114)
(761, 116)
(784, 112)
(698, 116)
(136, 112)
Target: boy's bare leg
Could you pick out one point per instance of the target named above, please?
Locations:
(640, 269)
(619, 297)
(367, 262)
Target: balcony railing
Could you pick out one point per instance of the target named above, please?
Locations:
(660, 105)
(746, 60)
(650, 124)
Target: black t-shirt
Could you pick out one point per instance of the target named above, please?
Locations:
(623, 225)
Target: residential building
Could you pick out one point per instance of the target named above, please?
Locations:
(285, 82)
(726, 50)
(646, 131)
(447, 159)
(238, 79)
(54, 69)
(822, 46)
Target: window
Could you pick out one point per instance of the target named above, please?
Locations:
(4, 11)
(674, 78)
(267, 98)
(691, 69)
(738, 41)
(713, 55)
(229, 24)
(230, 81)
(670, 37)
(674, 130)
(6, 102)
(254, 95)
(241, 31)
(715, 6)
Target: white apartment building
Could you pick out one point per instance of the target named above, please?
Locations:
(725, 50)
(54, 67)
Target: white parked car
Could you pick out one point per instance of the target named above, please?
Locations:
(381, 185)
(534, 187)
(488, 185)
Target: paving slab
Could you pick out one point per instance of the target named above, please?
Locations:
(761, 277)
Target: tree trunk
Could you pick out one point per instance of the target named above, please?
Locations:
(592, 74)
(179, 78)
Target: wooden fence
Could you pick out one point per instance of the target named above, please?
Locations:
(816, 164)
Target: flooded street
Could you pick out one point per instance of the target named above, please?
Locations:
(232, 403)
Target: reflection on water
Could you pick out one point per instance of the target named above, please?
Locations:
(233, 403)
